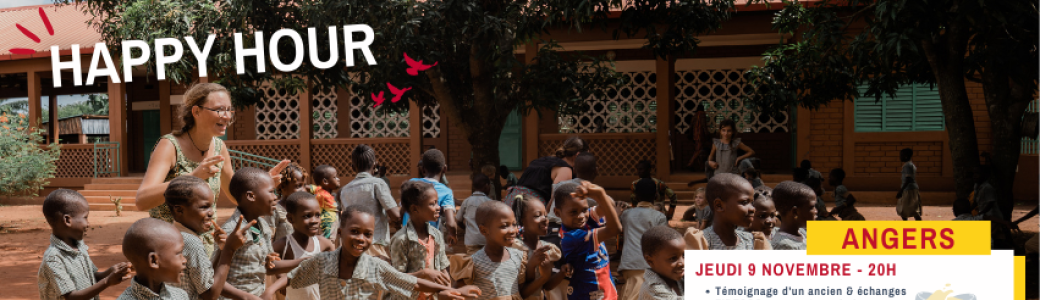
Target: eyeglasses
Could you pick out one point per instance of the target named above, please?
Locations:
(223, 112)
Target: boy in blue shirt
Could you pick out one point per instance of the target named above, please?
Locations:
(433, 166)
(583, 233)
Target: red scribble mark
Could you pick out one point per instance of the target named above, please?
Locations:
(28, 33)
(22, 51)
(397, 92)
(31, 35)
(46, 22)
(414, 67)
(378, 99)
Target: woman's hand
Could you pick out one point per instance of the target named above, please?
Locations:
(713, 165)
(207, 169)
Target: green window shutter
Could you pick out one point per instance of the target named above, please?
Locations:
(912, 108)
(928, 114)
(869, 115)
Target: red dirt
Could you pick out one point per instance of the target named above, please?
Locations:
(26, 236)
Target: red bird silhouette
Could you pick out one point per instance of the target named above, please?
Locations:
(414, 67)
(378, 99)
(397, 92)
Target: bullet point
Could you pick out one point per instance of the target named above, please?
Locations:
(707, 291)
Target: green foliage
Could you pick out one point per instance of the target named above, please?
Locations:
(96, 104)
(26, 166)
(884, 44)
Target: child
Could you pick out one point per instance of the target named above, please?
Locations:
(375, 193)
(909, 204)
(752, 176)
(191, 204)
(474, 241)
(66, 271)
(418, 248)
(534, 223)
(796, 204)
(584, 170)
(962, 210)
(660, 190)
(821, 208)
(154, 248)
(842, 198)
(723, 156)
(490, 171)
(434, 166)
(583, 232)
(498, 269)
(765, 216)
(349, 273)
(699, 212)
(663, 252)
(810, 172)
(326, 182)
(304, 213)
(294, 180)
(254, 190)
(731, 203)
(635, 222)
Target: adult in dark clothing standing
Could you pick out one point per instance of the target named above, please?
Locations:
(542, 173)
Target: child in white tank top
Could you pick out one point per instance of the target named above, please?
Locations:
(304, 213)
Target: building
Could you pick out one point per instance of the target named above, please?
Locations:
(649, 119)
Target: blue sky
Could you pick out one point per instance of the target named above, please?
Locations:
(17, 3)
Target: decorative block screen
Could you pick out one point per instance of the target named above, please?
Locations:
(720, 93)
(630, 108)
(278, 116)
(368, 122)
(323, 113)
(431, 121)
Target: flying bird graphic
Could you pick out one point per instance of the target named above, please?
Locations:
(414, 67)
(378, 99)
(397, 92)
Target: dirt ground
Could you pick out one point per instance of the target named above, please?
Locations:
(25, 235)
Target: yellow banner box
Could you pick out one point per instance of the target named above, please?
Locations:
(898, 238)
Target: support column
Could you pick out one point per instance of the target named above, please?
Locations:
(305, 128)
(117, 123)
(530, 131)
(165, 119)
(35, 107)
(665, 97)
(414, 138)
(82, 138)
(53, 129)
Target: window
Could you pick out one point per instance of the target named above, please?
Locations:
(914, 108)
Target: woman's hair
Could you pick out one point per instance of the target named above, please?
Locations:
(699, 190)
(571, 147)
(195, 96)
(412, 191)
(182, 189)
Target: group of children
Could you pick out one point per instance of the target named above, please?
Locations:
(334, 241)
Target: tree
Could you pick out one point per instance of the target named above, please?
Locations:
(26, 166)
(478, 80)
(882, 44)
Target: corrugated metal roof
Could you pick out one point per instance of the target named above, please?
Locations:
(68, 22)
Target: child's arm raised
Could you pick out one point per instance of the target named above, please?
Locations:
(605, 209)
(222, 265)
(278, 266)
(112, 276)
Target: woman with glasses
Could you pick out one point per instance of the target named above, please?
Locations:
(195, 150)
